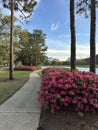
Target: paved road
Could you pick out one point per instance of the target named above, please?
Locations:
(22, 110)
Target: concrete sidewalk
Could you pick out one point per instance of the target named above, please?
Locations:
(22, 110)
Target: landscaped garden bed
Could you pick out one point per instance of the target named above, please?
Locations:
(69, 90)
(68, 93)
(27, 68)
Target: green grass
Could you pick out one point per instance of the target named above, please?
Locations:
(9, 87)
(39, 73)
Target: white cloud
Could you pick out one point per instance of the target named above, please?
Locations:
(61, 49)
(54, 26)
(82, 51)
(38, 1)
(57, 44)
(58, 54)
(77, 17)
(65, 54)
(77, 35)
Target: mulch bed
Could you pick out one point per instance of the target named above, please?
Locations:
(67, 120)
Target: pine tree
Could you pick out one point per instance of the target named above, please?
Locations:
(26, 6)
(85, 6)
(73, 36)
(93, 37)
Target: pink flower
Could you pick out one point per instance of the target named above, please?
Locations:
(61, 88)
(53, 100)
(67, 99)
(80, 113)
(84, 100)
(66, 86)
(74, 101)
(86, 108)
(63, 92)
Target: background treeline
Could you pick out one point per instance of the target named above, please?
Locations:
(29, 47)
(85, 61)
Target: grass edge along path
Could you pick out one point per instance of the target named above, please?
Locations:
(40, 73)
(10, 87)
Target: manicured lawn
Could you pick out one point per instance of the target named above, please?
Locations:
(40, 73)
(9, 87)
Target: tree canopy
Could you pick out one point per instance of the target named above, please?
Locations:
(25, 7)
(32, 47)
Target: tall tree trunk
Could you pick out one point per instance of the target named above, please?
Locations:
(73, 36)
(93, 37)
(11, 76)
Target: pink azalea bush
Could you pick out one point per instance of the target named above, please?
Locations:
(26, 68)
(61, 88)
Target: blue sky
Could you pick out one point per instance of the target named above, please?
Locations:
(52, 16)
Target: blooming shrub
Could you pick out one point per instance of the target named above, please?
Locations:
(27, 68)
(61, 88)
(54, 69)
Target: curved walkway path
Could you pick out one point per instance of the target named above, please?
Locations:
(22, 110)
